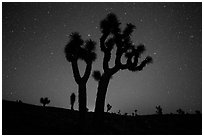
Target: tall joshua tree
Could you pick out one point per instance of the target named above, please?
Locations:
(77, 49)
(113, 36)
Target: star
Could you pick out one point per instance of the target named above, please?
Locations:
(89, 35)
(35, 19)
(191, 36)
(164, 6)
(141, 20)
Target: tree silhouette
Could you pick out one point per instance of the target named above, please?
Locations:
(77, 49)
(19, 101)
(44, 101)
(180, 111)
(159, 110)
(197, 112)
(72, 100)
(109, 107)
(113, 36)
(119, 112)
(135, 112)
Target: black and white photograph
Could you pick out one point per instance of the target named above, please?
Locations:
(102, 68)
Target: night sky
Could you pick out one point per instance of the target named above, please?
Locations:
(33, 61)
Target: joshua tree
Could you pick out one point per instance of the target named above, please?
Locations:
(113, 36)
(72, 100)
(180, 111)
(109, 107)
(159, 110)
(44, 101)
(78, 49)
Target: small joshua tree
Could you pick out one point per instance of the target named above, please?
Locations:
(158, 110)
(72, 100)
(180, 111)
(44, 101)
(109, 107)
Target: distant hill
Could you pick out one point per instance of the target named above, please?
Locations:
(21, 119)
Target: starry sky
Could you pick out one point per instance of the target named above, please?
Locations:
(33, 62)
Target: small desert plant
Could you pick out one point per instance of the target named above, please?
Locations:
(180, 111)
(19, 101)
(119, 112)
(197, 112)
(72, 100)
(44, 101)
(109, 107)
(135, 112)
(159, 110)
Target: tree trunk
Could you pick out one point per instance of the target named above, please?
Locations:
(82, 102)
(100, 100)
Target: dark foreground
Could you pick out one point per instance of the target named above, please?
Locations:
(20, 118)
